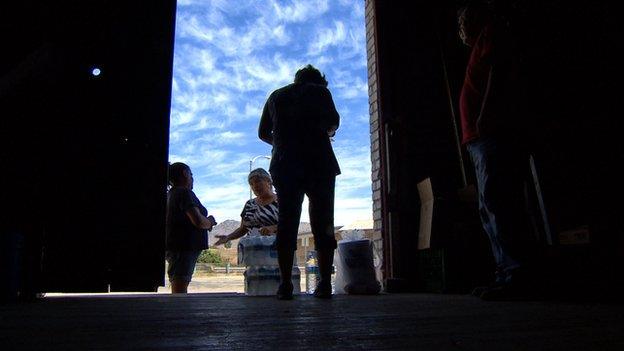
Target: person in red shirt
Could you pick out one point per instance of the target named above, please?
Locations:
(492, 127)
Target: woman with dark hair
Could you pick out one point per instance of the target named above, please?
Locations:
(310, 75)
(187, 223)
(260, 212)
(299, 120)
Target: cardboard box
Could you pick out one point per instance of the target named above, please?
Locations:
(576, 236)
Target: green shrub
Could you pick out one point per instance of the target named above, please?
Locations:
(210, 256)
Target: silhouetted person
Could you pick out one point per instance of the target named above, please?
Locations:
(493, 132)
(298, 120)
(187, 223)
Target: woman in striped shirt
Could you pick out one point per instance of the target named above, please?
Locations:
(260, 212)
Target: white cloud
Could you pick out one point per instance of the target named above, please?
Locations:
(327, 37)
(200, 160)
(229, 56)
(353, 195)
(355, 165)
(350, 210)
(224, 201)
(270, 73)
(357, 88)
(191, 26)
(254, 110)
(232, 136)
(346, 210)
(230, 41)
(357, 11)
(299, 11)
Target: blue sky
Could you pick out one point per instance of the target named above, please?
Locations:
(229, 56)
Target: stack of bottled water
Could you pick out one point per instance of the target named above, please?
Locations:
(259, 255)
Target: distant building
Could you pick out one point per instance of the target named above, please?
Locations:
(305, 243)
(305, 240)
(230, 253)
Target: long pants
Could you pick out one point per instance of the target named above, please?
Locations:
(320, 192)
(501, 167)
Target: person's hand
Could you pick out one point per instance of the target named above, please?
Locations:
(222, 239)
(331, 132)
(266, 231)
(213, 222)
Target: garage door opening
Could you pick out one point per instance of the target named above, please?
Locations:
(89, 87)
(228, 57)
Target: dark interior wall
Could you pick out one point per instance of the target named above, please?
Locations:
(421, 141)
(570, 68)
(84, 157)
(576, 65)
(574, 52)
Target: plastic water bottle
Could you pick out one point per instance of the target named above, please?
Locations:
(312, 272)
(313, 275)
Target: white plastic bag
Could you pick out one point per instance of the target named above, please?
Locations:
(339, 279)
(352, 235)
(355, 265)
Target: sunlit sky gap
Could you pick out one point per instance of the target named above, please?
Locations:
(229, 56)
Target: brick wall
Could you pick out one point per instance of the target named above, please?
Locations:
(374, 123)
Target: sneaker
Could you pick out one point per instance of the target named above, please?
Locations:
(508, 292)
(323, 290)
(285, 291)
(515, 290)
(481, 289)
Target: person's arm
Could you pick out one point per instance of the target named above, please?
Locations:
(237, 233)
(333, 118)
(486, 103)
(265, 129)
(200, 221)
(498, 58)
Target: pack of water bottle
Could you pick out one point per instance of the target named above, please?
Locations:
(257, 250)
(264, 280)
(312, 273)
(259, 254)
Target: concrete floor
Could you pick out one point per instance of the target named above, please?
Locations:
(235, 322)
(201, 283)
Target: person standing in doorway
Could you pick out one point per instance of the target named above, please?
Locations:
(494, 132)
(298, 120)
(187, 223)
(260, 212)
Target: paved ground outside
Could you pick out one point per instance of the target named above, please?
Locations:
(202, 282)
(217, 283)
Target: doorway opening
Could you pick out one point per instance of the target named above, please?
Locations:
(228, 57)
